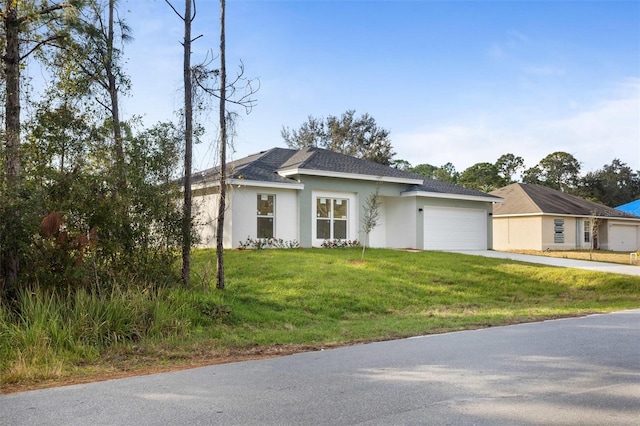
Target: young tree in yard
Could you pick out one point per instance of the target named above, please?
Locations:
(371, 216)
(27, 26)
(594, 233)
(359, 137)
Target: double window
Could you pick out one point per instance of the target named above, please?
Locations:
(331, 218)
(266, 206)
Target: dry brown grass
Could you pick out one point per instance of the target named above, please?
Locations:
(595, 255)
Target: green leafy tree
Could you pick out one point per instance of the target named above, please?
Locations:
(481, 176)
(426, 170)
(447, 173)
(612, 185)
(401, 165)
(532, 175)
(559, 170)
(508, 165)
(359, 137)
(26, 28)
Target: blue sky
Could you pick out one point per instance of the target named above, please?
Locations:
(454, 81)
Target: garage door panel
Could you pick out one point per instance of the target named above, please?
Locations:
(454, 229)
(623, 238)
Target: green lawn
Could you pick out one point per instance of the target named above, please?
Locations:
(280, 301)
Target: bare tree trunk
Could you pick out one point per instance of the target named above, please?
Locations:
(115, 108)
(11, 65)
(223, 155)
(188, 142)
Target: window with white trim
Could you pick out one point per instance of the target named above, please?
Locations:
(332, 218)
(266, 210)
(587, 231)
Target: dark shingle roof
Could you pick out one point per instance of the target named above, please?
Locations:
(265, 166)
(262, 166)
(520, 198)
(313, 158)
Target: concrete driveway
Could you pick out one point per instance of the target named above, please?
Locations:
(580, 371)
(560, 262)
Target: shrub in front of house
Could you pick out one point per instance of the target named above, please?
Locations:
(268, 243)
(340, 243)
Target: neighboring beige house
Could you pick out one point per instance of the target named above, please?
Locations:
(535, 217)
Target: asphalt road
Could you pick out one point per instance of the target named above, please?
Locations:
(582, 371)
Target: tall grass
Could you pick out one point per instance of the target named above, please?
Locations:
(303, 297)
(46, 329)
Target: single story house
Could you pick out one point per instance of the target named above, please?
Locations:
(314, 195)
(535, 217)
(631, 208)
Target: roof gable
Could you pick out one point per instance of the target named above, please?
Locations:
(277, 164)
(520, 198)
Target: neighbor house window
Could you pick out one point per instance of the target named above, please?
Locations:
(558, 231)
(266, 204)
(587, 231)
(331, 218)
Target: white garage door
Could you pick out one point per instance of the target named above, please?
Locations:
(623, 237)
(454, 229)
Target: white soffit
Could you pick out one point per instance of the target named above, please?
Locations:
(452, 196)
(254, 183)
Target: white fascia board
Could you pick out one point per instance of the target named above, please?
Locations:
(256, 183)
(264, 184)
(452, 196)
(354, 176)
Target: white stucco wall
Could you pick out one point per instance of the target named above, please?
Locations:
(246, 208)
(241, 217)
(378, 236)
(401, 230)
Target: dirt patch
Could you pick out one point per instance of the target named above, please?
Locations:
(120, 367)
(595, 255)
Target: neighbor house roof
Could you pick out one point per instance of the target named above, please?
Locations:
(527, 199)
(631, 208)
(280, 165)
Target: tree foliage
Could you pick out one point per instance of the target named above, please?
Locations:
(445, 173)
(508, 165)
(26, 27)
(558, 170)
(359, 137)
(481, 176)
(73, 159)
(613, 185)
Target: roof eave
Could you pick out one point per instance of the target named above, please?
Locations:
(450, 196)
(354, 176)
(253, 183)
(566, 215)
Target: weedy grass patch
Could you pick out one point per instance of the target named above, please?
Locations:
(282, 301)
